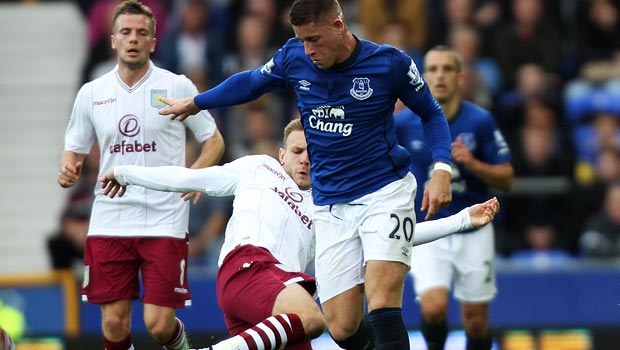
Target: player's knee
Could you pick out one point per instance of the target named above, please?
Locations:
(159, 328)
(476, 327)
(314, 324)
(343, 331)
(116, 326)
(434, 313)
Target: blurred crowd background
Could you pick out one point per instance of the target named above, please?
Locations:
(548, 70)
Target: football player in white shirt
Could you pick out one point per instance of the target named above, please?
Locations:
(266, 298)
(146, 231)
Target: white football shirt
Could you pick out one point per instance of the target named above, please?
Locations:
(269, 209)
(126, 123)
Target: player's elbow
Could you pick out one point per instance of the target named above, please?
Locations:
(505, 181)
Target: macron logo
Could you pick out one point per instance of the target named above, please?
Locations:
(305, 85)
(104, 102)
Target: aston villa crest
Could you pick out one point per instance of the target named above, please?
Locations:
(361, 89)
(156, 95)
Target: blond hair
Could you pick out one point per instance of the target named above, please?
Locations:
(293, 125)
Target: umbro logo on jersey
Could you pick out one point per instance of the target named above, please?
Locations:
(305, 85)
(405, 251)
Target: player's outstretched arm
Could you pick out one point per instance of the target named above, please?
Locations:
(181, 108)
(475, 216)
(214, 180)
(110, 186)
(239, 88)
(483, 213)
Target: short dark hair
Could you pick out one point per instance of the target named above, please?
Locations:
(308, 11)
(134, 7)
(457, 56)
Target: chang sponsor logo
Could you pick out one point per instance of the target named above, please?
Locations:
(330, 119)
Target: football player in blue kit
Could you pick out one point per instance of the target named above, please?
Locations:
(363, 191)
(481, 159)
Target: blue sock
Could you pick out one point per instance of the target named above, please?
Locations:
(363, 339)
(389, 329)
(480, 343)
(435, 335)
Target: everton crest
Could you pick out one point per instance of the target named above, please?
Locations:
(361, 89)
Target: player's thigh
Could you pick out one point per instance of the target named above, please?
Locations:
(116, 312)
(386, 221)
(344, 312)
(111, 266)
(475, 278)
(164, 271)
(432, 265)
(159, 318)
(295, 299)
(384, 283)
(248, 284)
(339, 259)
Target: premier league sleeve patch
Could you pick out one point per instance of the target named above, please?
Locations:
(416, 78)
(156, 95)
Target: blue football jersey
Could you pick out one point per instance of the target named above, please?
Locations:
(479, 132)
(347, 114)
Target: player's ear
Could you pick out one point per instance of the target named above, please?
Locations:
(153, 44)
(338, 25)
(113, 41)
(461, 78)
(281, 154)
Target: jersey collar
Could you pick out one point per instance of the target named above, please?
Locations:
(353, 57)
(136, 85)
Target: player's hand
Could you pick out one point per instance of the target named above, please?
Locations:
(438, 194)
(110, 186)
(483, 213)
(461, 154)
(179, 109)
(190, 195)
(69, 174)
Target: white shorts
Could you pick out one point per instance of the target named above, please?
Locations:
(377, 226)
(466, 257)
